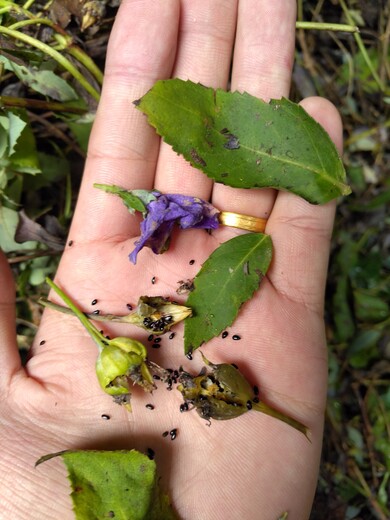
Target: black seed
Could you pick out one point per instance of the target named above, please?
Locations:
(172, 335)
(183, 407)
(156, 377)
(149, 406)
(150, 338)
(156, 345)
(94, 302)
(225, 334)
(108, 337)
(153, 280)
(191, 262)
(157, 340)
(234, 365)
(150, 453)
(173, 434)
(129, 306)
(256, 390)
(236, 337)
(105, 417)
(256, 400)
(189, 356)
(70, 243)
(165, 434)
(42, 342)
(249, 405)
(96, 312)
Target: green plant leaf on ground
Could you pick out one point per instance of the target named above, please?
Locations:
(227, 279)
(242, 141)
(18, 152)
(9, 219)
(46, 82)
(114, 484)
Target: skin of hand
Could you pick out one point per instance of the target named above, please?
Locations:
(252, 467)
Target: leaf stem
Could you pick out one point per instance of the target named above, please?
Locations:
(362, 48)
(321, 26)
(64, 62)
(54, 106)
(268, 410)
(92, 316)
(99, 339)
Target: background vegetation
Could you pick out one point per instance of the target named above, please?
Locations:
(50, 61)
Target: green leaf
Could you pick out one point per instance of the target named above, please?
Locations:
(46, 82)
(9, 220)
(16, 127)
(25, 157)
(114, 484)
(228, 278)
(135, 200)
(242, 141)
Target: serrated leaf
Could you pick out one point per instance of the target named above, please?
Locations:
(242, 141)
(135, 200)
(228, 278)
(114, 484)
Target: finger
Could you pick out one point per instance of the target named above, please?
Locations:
(9, 356)
(204, 55)
(301, 231)
(123, 147)
(263, 59)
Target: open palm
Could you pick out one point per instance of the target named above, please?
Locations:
(252, 467)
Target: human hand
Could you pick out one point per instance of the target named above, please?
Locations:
(252, 467)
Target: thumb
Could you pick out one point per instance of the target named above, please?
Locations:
(10, 361)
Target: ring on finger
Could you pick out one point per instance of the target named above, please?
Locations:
(240, 221)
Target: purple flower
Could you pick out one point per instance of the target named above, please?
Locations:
(164, 211)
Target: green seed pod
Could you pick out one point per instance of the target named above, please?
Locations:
(129, 345)
(224, 393)
(156, 314)
(118, 370)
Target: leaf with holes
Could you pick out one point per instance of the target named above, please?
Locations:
(241, 141)
(114, 484)
(228, 278)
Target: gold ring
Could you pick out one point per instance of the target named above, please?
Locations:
(246, 222)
